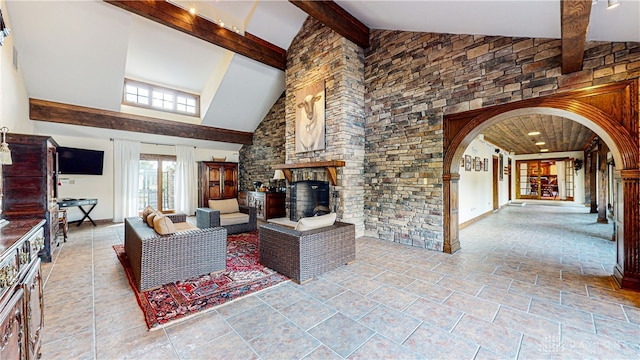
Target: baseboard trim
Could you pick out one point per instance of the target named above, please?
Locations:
(476, 219)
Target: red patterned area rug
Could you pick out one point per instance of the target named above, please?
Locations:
(244, 275)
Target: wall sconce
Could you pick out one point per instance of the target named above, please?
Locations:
(577, 165)
(5, 153)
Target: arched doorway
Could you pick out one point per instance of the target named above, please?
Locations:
(611, 111)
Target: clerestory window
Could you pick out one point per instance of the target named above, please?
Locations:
(137, 93)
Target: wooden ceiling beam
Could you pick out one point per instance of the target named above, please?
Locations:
(180, 19)
(54, 112)
(574, 16)
(338, 19)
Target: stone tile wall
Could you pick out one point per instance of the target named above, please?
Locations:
(268, 148)
(318, 53)
(412, 79)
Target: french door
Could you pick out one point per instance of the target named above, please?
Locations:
(546, 179)
(156, 182)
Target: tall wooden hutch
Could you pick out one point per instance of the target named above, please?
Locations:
(30, 185)
(217, 181)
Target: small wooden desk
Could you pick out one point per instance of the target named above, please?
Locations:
(80, 203)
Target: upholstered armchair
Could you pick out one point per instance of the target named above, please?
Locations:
(226, 213)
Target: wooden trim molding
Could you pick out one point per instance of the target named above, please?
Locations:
(180, 19)
(337, 18)
(574, 18)
(42, 110)
(330, 166)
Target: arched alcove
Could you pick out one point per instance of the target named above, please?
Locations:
(611, 111)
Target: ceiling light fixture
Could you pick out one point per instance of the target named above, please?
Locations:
(540, 143)
(534, 133)
(192, 10)
(544, 150)
(221, 23)
(612, 3)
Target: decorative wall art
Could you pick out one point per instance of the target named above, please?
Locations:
(486, 164)
(477, 163)
(467, 163)
(310, 118)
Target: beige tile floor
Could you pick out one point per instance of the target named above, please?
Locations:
(529, 282)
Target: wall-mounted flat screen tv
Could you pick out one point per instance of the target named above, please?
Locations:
(79, 161)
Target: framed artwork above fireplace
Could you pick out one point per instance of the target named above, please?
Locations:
(310, 118)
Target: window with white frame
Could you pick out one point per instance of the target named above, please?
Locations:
(149, 96)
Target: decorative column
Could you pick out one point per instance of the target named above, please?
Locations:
(451, 183)
(602, 172)
(592, 160)
(626, 212)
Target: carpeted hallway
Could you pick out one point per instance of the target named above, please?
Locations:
(529, 282)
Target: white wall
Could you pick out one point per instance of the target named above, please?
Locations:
(14, 103)
(14, 114)
(101, 187)
(578, 178)
(89, 186)
(476, 187)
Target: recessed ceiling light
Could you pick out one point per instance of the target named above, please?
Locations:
(533, 133)
(192, 10)
(544, 150)
(540, 143)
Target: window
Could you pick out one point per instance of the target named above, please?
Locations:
(149, 96)
(156, 182)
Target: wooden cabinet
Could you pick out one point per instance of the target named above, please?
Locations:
(33, 300)
(12, 345)
(21, 303)
(268, 205)
(30, 185)
(217, 180)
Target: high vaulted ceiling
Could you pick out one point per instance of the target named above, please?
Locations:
(80, 52)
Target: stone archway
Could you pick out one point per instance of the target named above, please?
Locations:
(611, 111)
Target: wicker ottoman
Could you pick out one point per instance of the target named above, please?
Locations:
(303, 255)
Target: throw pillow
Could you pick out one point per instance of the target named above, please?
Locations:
(163, 225)
(227, 206)
(148, 210)
(316, 222)
(151, 216)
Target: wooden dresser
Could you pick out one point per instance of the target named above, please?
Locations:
(21, 304)
(268, 205)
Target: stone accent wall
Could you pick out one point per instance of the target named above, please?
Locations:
(268, 148)
(318, 53)
(412, 79)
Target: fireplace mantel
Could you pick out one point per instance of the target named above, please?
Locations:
(329, 165)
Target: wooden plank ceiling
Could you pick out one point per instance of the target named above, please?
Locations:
(558, 133)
